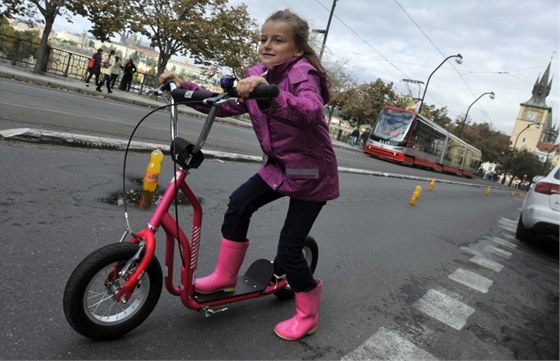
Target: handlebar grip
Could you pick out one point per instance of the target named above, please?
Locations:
(261, 91)
(182, 95)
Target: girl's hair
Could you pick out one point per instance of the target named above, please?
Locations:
(301, 36)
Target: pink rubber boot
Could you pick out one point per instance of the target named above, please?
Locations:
(307, 316)
(224, 277)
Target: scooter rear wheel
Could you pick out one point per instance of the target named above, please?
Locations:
(311, 254)
(89, 300)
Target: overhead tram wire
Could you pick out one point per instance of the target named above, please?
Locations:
(364, 41)
(441, 53)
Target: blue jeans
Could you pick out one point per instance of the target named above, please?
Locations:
(252, 195)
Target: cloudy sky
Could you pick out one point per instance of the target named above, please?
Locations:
(505, 44)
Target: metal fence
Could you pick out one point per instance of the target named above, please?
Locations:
(63, 62)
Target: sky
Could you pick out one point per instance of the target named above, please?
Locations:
(506, 45)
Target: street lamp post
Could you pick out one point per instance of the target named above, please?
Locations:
(492, 96)
(459, 60)
(513, 149)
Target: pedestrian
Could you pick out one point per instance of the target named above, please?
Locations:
(94, 67)
(364, 137)
(116, 68)
(128, 70)
(107, 66)
(292, 131)
(354, 136)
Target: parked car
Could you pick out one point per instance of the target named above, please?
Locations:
(540, 213)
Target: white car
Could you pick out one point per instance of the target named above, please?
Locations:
(540, 213)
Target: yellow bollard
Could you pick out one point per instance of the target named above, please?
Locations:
(487, 192)
(415, 195)
(521, 195)
(431, 184)
(513, 194)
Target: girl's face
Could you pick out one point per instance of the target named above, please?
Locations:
(277, 43)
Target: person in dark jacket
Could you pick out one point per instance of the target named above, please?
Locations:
(298, 162)
(354, 136)
(96, 68)
(364, 137)
(128, 72)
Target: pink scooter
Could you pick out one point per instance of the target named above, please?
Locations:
(115, 288)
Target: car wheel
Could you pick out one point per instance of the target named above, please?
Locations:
(522, 233)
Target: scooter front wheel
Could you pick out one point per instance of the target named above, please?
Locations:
(311, 254)
(90, 304)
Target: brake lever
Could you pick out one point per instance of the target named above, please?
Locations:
(162, 88)
(216, 99)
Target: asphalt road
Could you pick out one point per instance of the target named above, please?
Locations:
(445, 279)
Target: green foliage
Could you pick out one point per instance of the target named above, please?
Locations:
(437, 115)
(362, 103)
(525, 163)
(24, 44)
(42, 12)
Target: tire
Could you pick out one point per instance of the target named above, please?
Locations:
(522, 233)
(311, 254)
(89, 286)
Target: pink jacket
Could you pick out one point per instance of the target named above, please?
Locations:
(299, 160)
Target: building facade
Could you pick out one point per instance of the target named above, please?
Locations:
(534, 130)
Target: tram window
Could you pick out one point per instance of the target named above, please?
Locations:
(427, 140)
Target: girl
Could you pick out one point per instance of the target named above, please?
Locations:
(298, 162)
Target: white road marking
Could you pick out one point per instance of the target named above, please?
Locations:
(386, 344)
(503, 242)
(471, 251)
(509, 236)
(499, 252)
(485, 262)
(444, 308)
(507, 220)
(509, 227)
(472, 280)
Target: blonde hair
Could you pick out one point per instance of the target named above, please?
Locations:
(301, 36)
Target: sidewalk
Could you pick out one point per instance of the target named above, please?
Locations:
(60, 82)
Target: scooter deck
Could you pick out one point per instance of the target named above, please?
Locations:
(256, 279)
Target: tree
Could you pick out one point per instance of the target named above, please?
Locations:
(24, 44)
(208, 31)
(42, 12)
(524, 163)
(362, 103)
(340, 82)
(437, 115)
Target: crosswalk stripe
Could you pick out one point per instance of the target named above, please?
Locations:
(485, 262)
(444, 308)
(387, 344)
(498, 251)
(472, 280)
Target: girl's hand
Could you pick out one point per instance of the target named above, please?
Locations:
(168, 75)
(246, 86)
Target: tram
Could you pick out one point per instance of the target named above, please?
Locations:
(406, 137)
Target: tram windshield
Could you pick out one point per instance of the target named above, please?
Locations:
(393, 124)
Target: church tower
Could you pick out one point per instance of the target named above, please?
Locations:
(534, 121)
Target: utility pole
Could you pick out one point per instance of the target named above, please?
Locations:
(327, 30)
